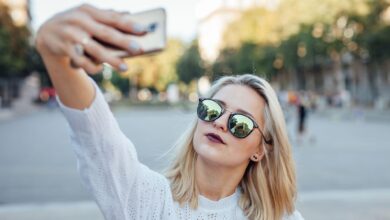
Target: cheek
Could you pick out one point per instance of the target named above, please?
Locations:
(246, 147)
(201, 128)
(197, 135)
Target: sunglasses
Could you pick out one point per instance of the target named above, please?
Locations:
(239, 125)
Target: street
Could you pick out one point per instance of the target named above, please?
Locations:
(341, 166)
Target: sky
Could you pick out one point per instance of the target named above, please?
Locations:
(181, 15)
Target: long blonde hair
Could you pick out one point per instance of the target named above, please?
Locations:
(268, 187)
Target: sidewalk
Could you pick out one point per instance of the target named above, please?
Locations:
(6, 114)
(345, 204)
(60, 211)
(321, 205)
(355, 114)
(18, 109)
(23, 105)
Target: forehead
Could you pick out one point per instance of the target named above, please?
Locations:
(242, 97)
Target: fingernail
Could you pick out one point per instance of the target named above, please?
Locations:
(138, 28)
(134, 47)
(123, 67)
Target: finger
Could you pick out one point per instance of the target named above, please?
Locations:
(104, 33)
(111, 36)
(118, 20)
(102, 55)
(81, 61)
(84, 45)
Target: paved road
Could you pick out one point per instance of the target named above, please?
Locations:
(342, 172)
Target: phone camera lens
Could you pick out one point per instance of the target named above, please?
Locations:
(152, 27)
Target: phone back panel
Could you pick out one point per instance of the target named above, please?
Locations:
(155, 21)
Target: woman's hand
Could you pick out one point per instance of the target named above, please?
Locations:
(73, 39)
(75, 35)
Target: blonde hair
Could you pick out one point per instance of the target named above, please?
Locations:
(268, 187)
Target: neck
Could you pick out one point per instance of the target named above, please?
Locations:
(215, 181)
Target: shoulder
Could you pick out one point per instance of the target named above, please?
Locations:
(151, 181)
(296, 215)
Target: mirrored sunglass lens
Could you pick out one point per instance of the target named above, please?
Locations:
(240, 125)
(209, 110)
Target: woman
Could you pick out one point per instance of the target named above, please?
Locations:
(233, 163)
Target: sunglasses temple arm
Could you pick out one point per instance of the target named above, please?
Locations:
(265, 139)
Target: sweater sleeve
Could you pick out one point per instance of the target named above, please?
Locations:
(296, 215)
(108, 164)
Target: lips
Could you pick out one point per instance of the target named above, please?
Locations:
(215, 138)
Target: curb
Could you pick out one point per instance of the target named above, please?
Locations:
(59, 211)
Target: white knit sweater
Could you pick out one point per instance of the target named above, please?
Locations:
(123, 187)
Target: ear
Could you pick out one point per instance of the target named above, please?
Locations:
(256, 157)
(259, 154)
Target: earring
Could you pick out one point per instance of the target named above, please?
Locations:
(254, 157)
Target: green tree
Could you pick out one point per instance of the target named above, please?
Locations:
(373, 34)
(122, 83)
(372, 40)
(379, 44)
(190, 66)
(157, 70)
(299, 37)
(249, 58)
(265, 26)
(14, 46)
(35, 64)
(225, 64)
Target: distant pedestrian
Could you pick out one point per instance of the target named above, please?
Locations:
(303, 107)
(302, 114)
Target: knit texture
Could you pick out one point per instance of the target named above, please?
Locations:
(123, 187)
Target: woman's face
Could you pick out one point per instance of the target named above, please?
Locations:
(233, 151)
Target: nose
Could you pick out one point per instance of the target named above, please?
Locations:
(221, 122)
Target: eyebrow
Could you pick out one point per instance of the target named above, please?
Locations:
(238, 110)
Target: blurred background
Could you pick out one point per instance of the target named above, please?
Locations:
(328, 60)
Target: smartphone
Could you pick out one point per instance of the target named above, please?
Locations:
(153, 41)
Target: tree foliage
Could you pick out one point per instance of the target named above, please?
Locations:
(265, 26)
(156, 70)
(305, 35)
(249, 58)
(190, 66)
(14, 46)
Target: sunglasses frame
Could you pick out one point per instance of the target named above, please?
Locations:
(232, 114)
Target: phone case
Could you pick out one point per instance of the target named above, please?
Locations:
(155, 40)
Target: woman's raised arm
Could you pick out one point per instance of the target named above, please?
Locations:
(107, 159)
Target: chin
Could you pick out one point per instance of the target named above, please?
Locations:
(217, 155)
